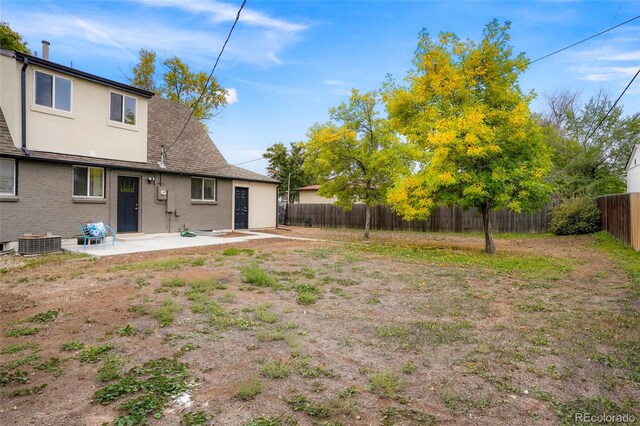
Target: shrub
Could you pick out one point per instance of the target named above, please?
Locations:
(575, 216)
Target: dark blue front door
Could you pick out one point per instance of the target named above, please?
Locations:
(242, 208)
(127, 204)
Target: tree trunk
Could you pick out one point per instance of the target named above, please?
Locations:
(367, 220)
(489, 246)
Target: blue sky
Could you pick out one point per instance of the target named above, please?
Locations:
(288, 62)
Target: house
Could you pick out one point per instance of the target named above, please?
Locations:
(309, 195)
(76, 146)
(633, 170)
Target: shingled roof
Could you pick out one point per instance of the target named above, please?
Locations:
(194, 153)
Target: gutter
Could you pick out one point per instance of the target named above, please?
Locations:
(23, 97)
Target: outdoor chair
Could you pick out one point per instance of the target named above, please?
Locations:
(96, 232)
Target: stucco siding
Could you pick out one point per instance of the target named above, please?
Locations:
(262, 203)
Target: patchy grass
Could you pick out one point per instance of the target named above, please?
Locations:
(309, 407)
(236, 251)
(95, 353)
(147, 388)
(72, 346)
(275, 369)
(259, 277)
(19, 347)
(159, 264)
(263, 314)
(21, 331)
(385, 383)
(196, 418)
(248, 390)
(166, 314)
(43, 317)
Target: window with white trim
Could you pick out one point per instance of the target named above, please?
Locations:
(122, 108)
(7, 176)
(88, 182)
(203, 189)
(53, 91)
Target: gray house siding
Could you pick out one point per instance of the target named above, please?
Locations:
(44, 203)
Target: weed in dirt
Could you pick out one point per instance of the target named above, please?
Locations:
(34, 390)
(235, 251)
(8, 378)
(409, 367)
(341, 292)
(46, 259)
(30, 359)
(52, 365)
(531, 307)
(413, 335)
(308, 273)
(159, 264)
(196, 418)
(384, 383)
(43, 317)
(307, 293)
(248, 390)
(19, 347)
(311, 408)
(227, 298)
(21, 331)
(272, 421)
(257, 276)
(317, 386)
(270, 335)
(127, 330)
(110, 370)
(263, 314)
(95, 353)
(173, 282)
(166, 313)
(72, 346)
(349, 392)
(154, 383)
(458, 403)
(393, 416)
(205, 286)
(275, 369)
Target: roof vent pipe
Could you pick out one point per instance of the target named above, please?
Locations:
(45, 50)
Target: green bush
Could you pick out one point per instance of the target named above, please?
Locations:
(575, 216)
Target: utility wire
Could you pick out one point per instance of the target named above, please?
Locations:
(250, 161)
(204, 89)
(583, 40)
(612, 107)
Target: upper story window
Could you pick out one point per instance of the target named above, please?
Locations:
(7, 176)
(88, 181)
(53, 91)
(122, 109)
(203, 189)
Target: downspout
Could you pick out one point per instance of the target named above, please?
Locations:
(23, 96)
(277, 206)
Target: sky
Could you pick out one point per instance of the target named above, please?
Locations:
(288, 62)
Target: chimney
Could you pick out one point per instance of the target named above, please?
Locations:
(45, 50)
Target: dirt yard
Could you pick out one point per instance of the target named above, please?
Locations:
(408, 329)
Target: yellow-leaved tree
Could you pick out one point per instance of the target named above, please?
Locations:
(468, 126)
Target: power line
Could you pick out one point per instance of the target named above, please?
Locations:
(250, 161)
(583, 40)
(612, 107)
(204, 89)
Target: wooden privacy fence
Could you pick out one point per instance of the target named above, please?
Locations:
(621, 217)
(442, 219)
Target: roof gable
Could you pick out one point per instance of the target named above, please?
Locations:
(634, 152)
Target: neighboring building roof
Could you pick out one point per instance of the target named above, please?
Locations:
(194, 153)
(309, 188)
(19, 56)
(636, 148)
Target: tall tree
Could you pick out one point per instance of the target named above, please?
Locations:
(11, 40)
(589, 148)
(469, 128)
(356, 156)
(180, 84)
(144, 72)
(285, 165)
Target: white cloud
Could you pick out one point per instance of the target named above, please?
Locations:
(334, 83)
(610, 73)
(222, 12)
(232, 96)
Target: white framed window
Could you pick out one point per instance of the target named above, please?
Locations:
(88, 182)
(7, 176)
(53, 91)
(122, 108)
(203, 189)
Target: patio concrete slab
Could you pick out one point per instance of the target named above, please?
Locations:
(137, 243)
